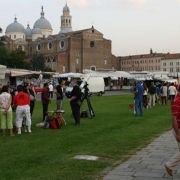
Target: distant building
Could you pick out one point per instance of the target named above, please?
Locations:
(142, 62)
(67, 51)
(171, 63)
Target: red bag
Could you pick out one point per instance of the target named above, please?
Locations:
(55, 123)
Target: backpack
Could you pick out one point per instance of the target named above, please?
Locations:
(55, 123)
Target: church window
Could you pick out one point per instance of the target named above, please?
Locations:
(20, 48)
(69, 21)
(48, 59)
(105, 61)
(66, 21)
(93, 68)
(54, 59)
(38, 47)
(14, 36)
(10, 36)
(64, 68)
(50, 45)
(92, 44)
(61, 44)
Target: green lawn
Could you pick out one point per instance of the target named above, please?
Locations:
(113, 134)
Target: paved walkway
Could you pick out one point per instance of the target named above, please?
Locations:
(148, 164)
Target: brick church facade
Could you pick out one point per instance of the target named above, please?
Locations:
(67, 51)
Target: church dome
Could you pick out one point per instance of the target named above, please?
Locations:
(15, 27)
(28, 32)
(66, 8)
(36, 31)
(42, 23)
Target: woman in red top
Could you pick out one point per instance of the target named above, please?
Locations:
(22, 101)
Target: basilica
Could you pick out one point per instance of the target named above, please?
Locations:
(67, 51)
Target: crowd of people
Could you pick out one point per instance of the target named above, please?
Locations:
(165, 94)
(147, 97)
(23, 101)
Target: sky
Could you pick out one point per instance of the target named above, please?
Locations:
(133, 26)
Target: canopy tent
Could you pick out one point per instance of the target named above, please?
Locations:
(24, 72)
(112, 74)
(66, 75)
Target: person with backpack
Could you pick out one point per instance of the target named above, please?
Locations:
(74, 102)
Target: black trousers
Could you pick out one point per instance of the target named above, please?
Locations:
(45, 110)
(32, 103)
(76, 113)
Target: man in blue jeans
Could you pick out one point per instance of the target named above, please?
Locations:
(139, 90)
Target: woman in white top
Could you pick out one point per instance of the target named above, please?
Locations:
(6, 111)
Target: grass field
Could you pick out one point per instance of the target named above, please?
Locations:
(113, 134)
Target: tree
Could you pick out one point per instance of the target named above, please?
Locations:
(37, 62)
(4, 56)
(2, 39)
(18, 59)
(13, 59)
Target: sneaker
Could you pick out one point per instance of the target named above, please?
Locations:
(168, 170)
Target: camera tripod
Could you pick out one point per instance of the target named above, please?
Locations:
(90, 108)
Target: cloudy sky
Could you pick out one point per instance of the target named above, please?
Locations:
(133, 26)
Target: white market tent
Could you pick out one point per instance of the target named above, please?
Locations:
(112, 74)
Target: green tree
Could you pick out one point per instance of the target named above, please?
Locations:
(2, 39)
(18, 59)
(37, 62)
(4, 56)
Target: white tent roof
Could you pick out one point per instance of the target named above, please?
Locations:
(110, 74)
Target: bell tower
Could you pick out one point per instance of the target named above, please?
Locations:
(66, 20)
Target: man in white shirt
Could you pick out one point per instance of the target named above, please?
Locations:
(172, 92)
(50, 90)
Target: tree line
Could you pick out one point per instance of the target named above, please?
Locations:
(18, 59)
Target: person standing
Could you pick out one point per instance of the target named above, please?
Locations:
(171, 92)
(6, 111)
(59, 95)
(175, 111)
(45, 100)
(152, 92)
(22, 102)
(51, 90)
(75, 107)
(139, 90)
(145, 93)
(164, 94)
(32, 96)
